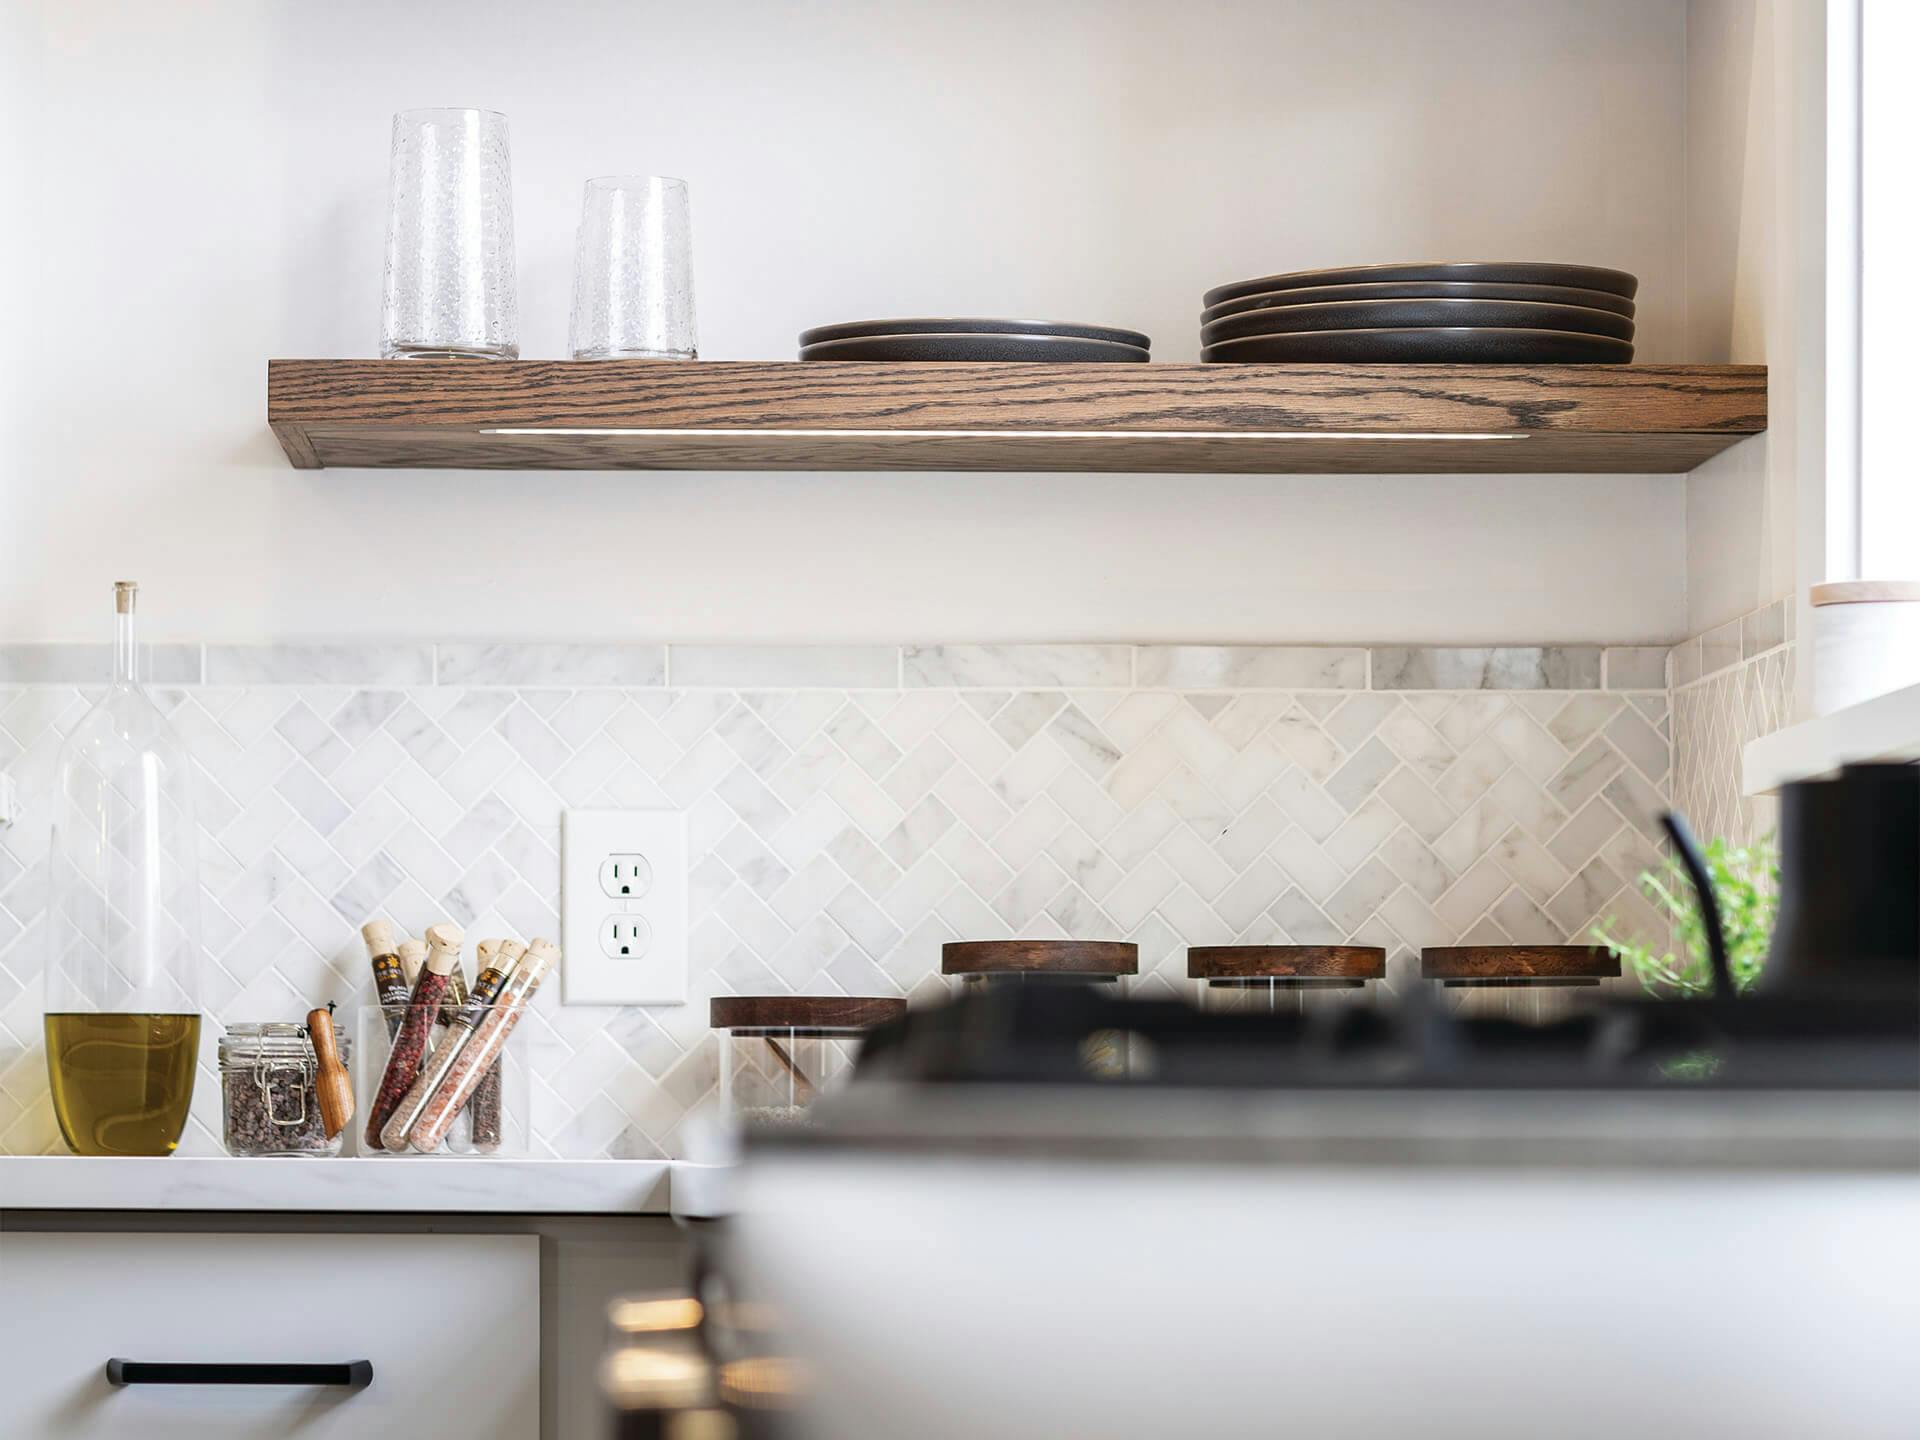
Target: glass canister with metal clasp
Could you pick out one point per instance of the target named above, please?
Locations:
(267, 1091)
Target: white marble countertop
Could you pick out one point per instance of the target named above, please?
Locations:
(492, 1186)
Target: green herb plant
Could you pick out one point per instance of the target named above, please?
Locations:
(1746, 882)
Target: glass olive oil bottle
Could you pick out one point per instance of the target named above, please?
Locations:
(122, 1082)
(123, 921)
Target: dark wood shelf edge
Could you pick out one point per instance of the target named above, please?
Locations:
(1187, 418)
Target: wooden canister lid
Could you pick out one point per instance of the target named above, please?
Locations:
(1040, 957)
(1863, 592)
(1518, 963)
(803, 1012)
(1286, 962)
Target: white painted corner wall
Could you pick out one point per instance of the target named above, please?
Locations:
(1755, 190)
(205, 187)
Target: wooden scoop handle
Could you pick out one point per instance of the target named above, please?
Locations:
(331, 1084)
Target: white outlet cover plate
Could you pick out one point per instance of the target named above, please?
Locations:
(588, 975)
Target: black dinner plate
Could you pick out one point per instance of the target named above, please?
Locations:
(970, 325)
(1463, 346)
(1418, 315)
(1059, 349)
(1501, 272)
(1421, 290)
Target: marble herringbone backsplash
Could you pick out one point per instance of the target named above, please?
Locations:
(1731, 684)
(850, 809)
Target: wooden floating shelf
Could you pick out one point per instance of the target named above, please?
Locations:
(1239, 419)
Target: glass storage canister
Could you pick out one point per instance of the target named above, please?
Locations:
(1283, 979)
(268, 1101)
(779, 1053)
(1534, 983)
(1018, 962)
(122, 1016)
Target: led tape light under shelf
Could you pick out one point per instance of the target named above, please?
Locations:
(710, 432)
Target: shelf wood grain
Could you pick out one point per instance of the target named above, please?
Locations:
(1248, 419)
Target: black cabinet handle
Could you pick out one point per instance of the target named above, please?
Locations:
(353, 1374)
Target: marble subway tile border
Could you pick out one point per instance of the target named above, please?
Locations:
(1635, 667)
(87, 664)
(1542, 667)
(366, 665)
(1016, 667)
(784, 667)
(1738, 641)
(1249, 667)
(569, 665)
(551, 665)
(1684, 662)
(1720, 647)
(1763, 630)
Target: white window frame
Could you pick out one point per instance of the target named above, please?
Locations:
(1873, 475)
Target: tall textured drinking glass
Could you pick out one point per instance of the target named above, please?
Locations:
(633, 271)
(450, 271)
(123, 921)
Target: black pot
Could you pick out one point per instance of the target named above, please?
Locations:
(1849, 882)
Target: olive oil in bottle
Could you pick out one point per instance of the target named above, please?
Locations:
(121, 1082)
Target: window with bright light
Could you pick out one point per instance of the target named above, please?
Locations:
(1890, 270)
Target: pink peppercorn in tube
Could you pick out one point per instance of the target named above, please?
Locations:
(486, 989)
(410, 1044)
(478, 1054)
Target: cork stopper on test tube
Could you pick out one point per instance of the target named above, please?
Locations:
(443, 947)
(380, 938)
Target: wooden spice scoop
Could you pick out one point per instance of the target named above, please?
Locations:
(331, 1084)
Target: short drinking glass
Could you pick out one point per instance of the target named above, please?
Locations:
(450, 272)
(633, 271)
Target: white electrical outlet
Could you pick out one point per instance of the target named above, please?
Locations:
(623, 907)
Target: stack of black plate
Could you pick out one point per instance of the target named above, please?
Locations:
(1493, 313)
(961, 338)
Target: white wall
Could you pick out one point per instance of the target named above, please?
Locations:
(1742, 267)
(207, 190)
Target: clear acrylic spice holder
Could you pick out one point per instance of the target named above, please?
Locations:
(376, 1026)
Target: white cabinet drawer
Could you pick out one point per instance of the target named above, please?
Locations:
(450, 1323)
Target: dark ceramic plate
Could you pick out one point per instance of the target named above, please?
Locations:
(1418, 315)
(1470, 346)
(964, 325)
(1421, 290)
(1060, 349)
(1499, 272)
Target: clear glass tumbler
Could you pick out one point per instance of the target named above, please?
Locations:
(633, 271)
(450, 267)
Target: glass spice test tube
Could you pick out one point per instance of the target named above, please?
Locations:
(483, 1111)
(486, 989)
(413, 955)
(484, 1048)
(390, 982)
(409, 1045)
